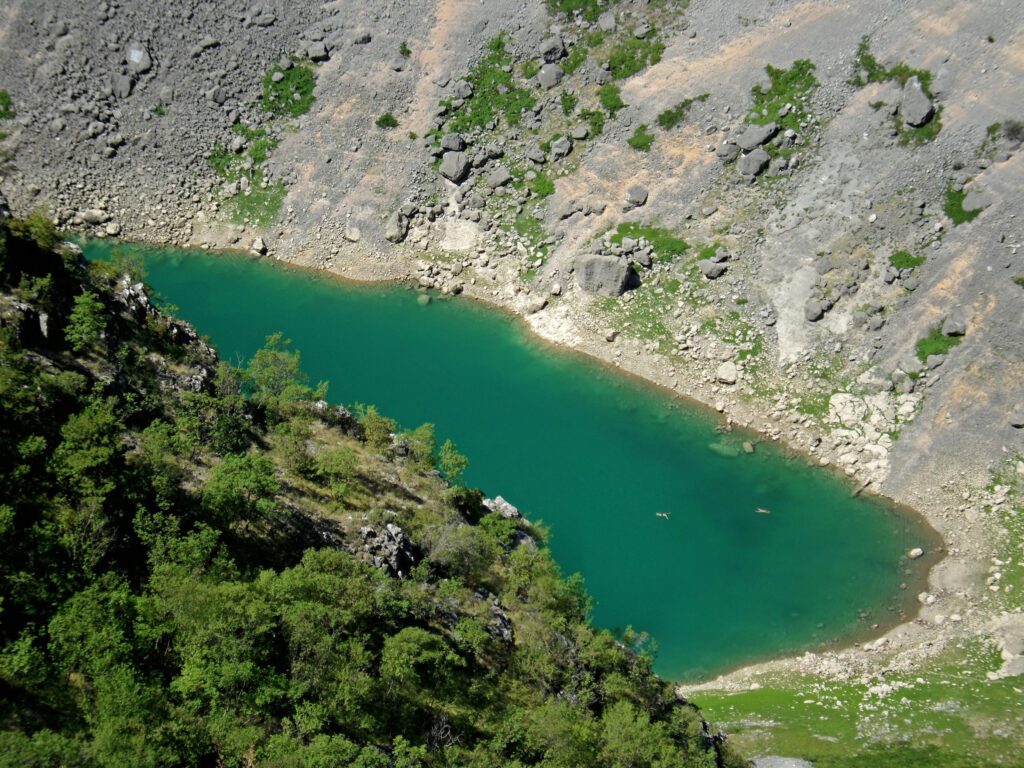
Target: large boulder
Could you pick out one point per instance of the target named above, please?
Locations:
(712, 270)
(915, 106)
(607, 275)
(753, 163)
(499, 177)
(754, 136)
(396, 228)
(727, 373)
(455, 166)
(728, 151)
(635, 197)
(139, 61)
(549, 76)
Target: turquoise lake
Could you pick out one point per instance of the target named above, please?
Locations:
(593, 454)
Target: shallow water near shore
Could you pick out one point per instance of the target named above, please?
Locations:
(594, 454)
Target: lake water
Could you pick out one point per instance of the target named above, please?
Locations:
(593, 454)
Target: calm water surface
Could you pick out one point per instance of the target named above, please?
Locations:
(591, 453)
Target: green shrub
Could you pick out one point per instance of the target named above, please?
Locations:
(7, 111)
(451, 463)
(494, 92)
(569, 102)
(642, 139)
(670, 118)
(377, 429)
(632, 55)
(87, 322)
(588, 9)
(387, 121)
(611, 99)
(37, 228)
(404, 50)
(292, 96)
(905, 260)
(1019, 280)
(595, 118)
(542, 186)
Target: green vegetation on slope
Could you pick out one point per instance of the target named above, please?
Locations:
(954, 206)
(935, 343)
(289, 92)
(785, 100)
(6, 110)
(186, 578)
(903, 259)
(670, 118)
(494, 92)
(255, 200)
(642, 139)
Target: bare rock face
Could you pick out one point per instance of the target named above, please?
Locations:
(389, 548)
(607, 275)
(915, 106)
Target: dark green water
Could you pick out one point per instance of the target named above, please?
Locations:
(591, 453)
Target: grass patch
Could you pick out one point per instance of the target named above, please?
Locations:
(942, 715)
(611, 99)
(1019, 280)
(494, 92)
(670, 118)
(595, 118)
(261, 203)
(576, 58)
(642, 139)
(921, 134)
(936, 343)
(632, 55)
(7, 111)
(954, 206)
(530, 68)
(785, 100)
(387, 121)
(905, 260)
(588, 9)
(292, 95)
(542, 185)
(569, 102)
(870, 70)
(665, 244)
(404, 50)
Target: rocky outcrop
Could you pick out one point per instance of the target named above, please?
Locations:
(388, 548)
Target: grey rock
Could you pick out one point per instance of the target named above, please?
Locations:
(727, 373)
(453, 142)
(710, 269)
(1017, 418)
(258, 246)
(552, 49)
(754, 136)
(607, 275)
(753, 163)
(536, 154)
(580, 132)
(502, 508)
(915, 106)
(166, 95)
(934, 361)
(396, 228)
(499, 177)
(606, 21)
(317, 51)
(121, 85)
(976, 199)
(636, 196)
(95, 216)
(139, 61)
(549, 76)
(561, 147)
(814, 310)
(728, 151)
(954, 326)
(455, 166)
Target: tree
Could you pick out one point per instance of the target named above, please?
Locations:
(241, 487)
(451, 463)
(422, 442)
(337, 467)
(87, 322)
(376, 428)
(275, 378)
